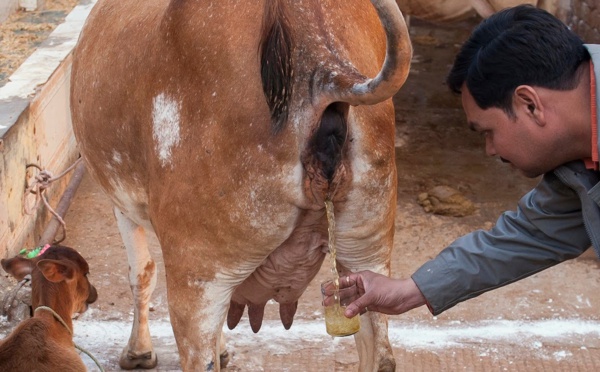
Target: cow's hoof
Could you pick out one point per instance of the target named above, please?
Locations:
(130, 360)
(224, 359)
(387, 365)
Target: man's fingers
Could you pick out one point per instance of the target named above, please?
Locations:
(347, 281)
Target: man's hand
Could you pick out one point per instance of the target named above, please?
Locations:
(382, 294)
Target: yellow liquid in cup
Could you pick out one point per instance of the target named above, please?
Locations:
(337, 324)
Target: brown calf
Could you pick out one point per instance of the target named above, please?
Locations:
(59, 288)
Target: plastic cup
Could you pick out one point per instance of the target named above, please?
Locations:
(335, 301)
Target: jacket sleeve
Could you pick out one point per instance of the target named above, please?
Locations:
(547, 228)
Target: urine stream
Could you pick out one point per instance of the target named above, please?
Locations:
(331, 242)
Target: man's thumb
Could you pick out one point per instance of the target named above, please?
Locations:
(353, 309)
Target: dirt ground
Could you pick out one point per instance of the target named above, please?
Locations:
(547, 322)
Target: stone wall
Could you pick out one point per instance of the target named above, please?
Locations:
(585, 19)
(583, 16)
(7, 7)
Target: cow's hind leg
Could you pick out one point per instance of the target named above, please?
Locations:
(142, 278)
(374, 349)
(199, 297)
(372, 343)
(224, 357)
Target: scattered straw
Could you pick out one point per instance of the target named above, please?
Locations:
(23, 32)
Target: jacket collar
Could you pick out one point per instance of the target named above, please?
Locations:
(594, 50)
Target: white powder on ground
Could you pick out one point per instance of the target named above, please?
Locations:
(99, 336)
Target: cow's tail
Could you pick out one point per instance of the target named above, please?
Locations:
(356, 89)
(350, 87)
(276, 62)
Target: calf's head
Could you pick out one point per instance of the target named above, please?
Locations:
(56, 273)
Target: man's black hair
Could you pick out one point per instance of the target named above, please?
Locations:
(516, 46)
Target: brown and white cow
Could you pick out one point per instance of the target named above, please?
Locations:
(59, 289)
(222, 126)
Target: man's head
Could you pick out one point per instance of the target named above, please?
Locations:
(523, 45)
(516, 59)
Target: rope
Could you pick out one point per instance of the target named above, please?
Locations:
(38, 187)
(58, 317)
(10, 297)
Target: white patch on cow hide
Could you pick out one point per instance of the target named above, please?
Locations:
(165, 120)
(215, 300)
(117, 157)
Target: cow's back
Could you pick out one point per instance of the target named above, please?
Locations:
(31, 347)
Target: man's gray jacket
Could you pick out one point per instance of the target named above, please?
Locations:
(558, 220)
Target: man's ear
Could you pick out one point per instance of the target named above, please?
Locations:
(17, 266)
(55, 271)
(526, 100)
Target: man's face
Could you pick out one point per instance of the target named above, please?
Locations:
(515, 140)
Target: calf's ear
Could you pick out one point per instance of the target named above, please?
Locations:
(56, 271)
(17, 266)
